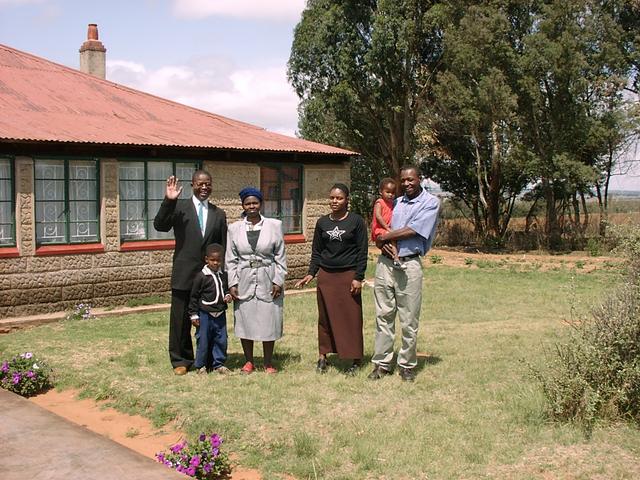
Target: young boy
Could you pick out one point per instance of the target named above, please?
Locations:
(382, 214)
(209, 298)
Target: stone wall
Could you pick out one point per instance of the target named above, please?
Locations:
(32, 284)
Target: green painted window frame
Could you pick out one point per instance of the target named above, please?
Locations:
(11, 202)
(148, 212)
(269, 193)
(67, 202)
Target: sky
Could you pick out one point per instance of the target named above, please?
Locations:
(224, 56)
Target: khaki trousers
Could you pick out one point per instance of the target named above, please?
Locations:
(397, 291)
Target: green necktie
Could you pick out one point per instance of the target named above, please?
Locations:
(201, 217)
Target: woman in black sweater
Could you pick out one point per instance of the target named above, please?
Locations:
(339, 258)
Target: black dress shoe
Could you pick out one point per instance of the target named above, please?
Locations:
(378, 373)
(407, 374)
(321, 367)
(352, 371)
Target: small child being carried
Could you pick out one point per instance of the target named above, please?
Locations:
(209, 298)
(382, 214)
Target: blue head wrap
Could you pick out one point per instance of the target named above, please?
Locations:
(250, 192)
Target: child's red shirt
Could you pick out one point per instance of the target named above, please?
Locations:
(386, 210)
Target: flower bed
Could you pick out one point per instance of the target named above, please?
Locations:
(25, 375)
(202, 460)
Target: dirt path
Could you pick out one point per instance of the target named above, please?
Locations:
(132, 431)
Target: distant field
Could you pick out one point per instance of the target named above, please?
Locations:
(456, 230)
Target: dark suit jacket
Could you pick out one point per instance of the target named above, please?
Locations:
(188, 257)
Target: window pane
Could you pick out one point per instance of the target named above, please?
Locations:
(132, 201)
(82, 181)
(6, 204)
(140, 196)
(50, 222)
(50, 201)
(184, 172)
(67, 208)
(281, 187)
(154, 205)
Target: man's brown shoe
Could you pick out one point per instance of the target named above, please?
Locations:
(180, 370)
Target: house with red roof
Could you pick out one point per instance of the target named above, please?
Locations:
(83, 165)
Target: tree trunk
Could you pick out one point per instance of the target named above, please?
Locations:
(585, 222)
(530, 215)
(477, 219)
(493, 204)
(552, 228)
(602, 223)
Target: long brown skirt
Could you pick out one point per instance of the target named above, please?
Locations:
(339, 315)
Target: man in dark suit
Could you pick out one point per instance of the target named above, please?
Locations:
(196, 223)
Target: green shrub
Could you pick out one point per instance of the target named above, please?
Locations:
(594, 247)
(435, 259)
(595, 374)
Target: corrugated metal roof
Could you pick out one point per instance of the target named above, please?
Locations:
(44, 101)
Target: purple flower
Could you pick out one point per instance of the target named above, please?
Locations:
(16, 378)
(215, 440)
(191, 471)
(28, 355)
(177, 448)
(207, 467)
(195, 461)
(5, 366)
(202, 437)
(30, 374)
(215, 451)
(160, 457)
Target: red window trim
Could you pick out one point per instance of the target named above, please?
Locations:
(70, 249)
(147, 245)
(294, 238)
(9, 252)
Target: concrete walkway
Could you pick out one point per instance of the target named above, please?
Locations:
(38, 445)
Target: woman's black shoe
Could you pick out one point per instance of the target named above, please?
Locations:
(352, 371)
(321, 367)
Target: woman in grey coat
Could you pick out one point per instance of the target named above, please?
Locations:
(256, 265)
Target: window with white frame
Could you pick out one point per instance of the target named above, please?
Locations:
(142, 187)
(281, 187)
(67, 201)
(7, 205)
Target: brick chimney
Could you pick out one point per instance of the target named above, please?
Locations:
(93, 55)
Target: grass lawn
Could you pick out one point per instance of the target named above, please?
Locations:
(473, 411)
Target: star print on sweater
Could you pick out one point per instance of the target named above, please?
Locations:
(335, 234)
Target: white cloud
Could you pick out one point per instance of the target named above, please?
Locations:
(279, 10)
(258, 96)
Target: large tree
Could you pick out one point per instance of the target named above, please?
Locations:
(571, 65)
(470, 134)
(363, 69)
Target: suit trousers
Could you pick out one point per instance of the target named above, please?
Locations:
(397, 292)
(180, 345)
